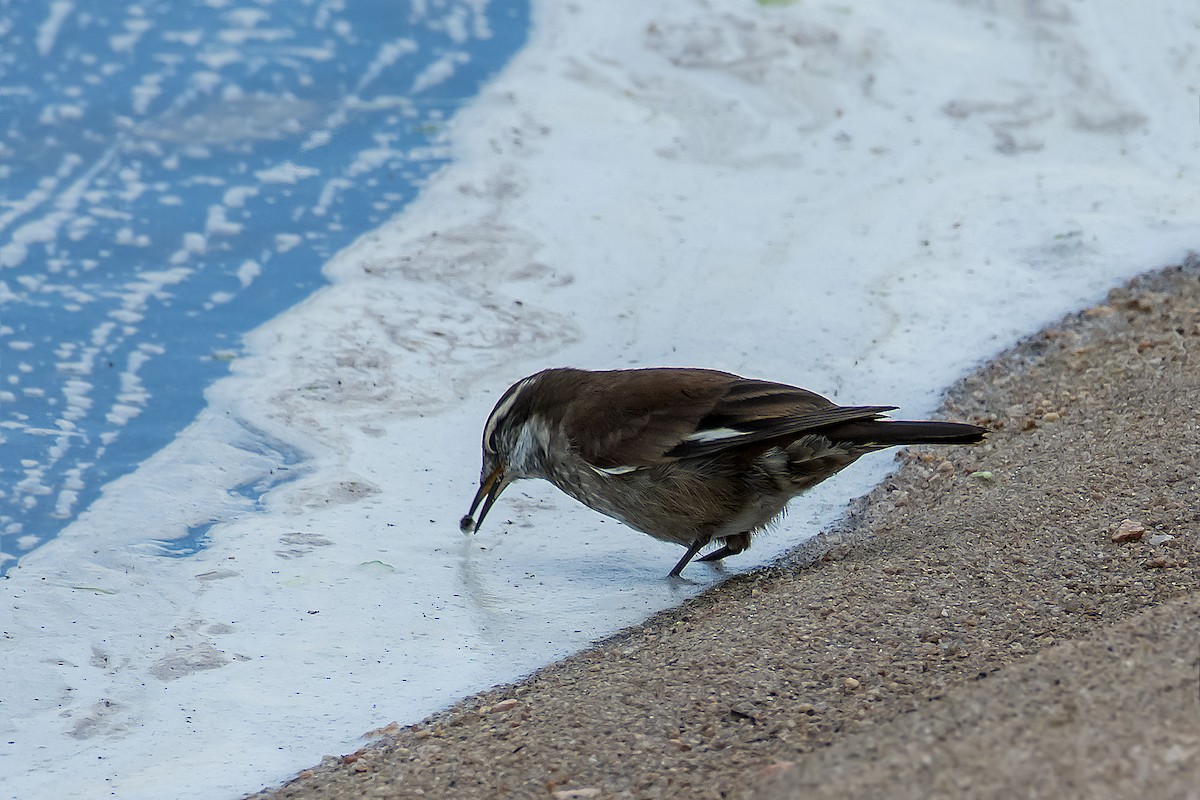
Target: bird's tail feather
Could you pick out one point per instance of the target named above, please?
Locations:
(889, 433)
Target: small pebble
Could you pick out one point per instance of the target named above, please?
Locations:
(386, 730)
(1129, 531)
(576, 794)
(506, 705)
(851, 684)
(770, 770)
(466, 524)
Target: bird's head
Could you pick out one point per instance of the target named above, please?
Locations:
(515, 441)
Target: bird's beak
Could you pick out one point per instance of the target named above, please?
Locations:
(490, 488)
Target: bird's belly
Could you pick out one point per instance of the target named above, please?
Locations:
(675, 506)
(755, 516)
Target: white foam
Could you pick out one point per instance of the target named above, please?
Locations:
(237, 196)
(218, 224)
(247, 272)
(125, 43)
(48, 31)
(862, 200)
(287, 172)
(286, 241)
(387, 55)
(440, 71)
(148, 90)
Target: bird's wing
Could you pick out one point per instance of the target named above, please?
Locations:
(659, 416)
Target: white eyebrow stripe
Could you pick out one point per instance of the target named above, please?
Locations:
(503, 409)
(714, 435)
(616, 470)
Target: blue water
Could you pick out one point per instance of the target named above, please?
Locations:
(172, 174)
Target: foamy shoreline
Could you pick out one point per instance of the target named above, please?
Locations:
(865, 201)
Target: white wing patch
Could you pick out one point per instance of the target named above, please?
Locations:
(714, 435)
(616, 470)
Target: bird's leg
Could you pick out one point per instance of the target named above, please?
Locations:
(732, 546)
(693, 548)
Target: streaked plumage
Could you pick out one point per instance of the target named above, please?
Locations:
(690, 456)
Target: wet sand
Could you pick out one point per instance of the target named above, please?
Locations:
(971, 630)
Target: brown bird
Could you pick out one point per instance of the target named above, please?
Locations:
(689, 456)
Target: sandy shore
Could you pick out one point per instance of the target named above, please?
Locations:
(973, 631)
